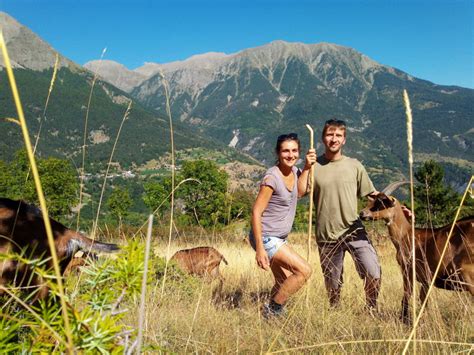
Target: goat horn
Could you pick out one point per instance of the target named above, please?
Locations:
(393, 186)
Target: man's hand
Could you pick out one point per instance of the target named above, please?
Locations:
(407, 212)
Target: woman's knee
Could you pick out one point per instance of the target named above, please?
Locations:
(306, 271)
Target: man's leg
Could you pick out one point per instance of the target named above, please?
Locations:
(372, 289)
(368, 266)
(331, 256)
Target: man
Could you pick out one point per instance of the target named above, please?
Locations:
(338, 182)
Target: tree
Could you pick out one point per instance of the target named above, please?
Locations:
(157, 195)
(58, 180)
(60, 185)
(19, 187)
(239, 205)
(6, 179)
(204, 201)
(119, 203)
(435, 203)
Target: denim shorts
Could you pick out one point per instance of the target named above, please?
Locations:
(270, 244)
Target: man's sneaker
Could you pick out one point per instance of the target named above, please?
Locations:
(268, 312)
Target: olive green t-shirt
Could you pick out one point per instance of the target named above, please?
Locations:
(337, 185)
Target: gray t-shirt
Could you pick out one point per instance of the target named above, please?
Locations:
(278, 217)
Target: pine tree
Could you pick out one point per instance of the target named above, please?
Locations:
(435, 203)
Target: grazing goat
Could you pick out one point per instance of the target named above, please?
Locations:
(79, 259)
(22, 232)
(457, 267)
(201, 261)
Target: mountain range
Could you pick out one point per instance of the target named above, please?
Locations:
(242, 101)
(75, 106)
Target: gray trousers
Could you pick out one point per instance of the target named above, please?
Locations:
(362, 251)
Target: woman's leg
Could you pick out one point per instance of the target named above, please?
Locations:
(291, 272)
(280, 275)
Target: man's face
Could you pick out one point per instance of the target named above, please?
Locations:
(334, 139)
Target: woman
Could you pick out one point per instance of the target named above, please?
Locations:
(272, 219)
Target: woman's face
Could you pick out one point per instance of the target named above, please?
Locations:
(289, 153)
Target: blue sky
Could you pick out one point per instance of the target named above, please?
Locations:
(430, 39)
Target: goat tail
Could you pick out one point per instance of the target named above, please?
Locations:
(224, 260)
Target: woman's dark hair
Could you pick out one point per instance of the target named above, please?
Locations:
(286, 137)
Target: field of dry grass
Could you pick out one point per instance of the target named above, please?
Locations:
(199, 319)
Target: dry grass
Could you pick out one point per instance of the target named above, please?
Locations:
(203, 321)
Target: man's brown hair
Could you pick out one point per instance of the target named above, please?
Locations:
(334, 123)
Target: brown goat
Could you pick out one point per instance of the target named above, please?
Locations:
(22, 232)
(79, 259)
(457, 267)
(200, 261)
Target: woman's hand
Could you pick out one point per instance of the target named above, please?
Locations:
(303, 180)
(310, 159)
(262, 259)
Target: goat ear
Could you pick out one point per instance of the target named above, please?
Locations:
(373, 196)
(390, 201)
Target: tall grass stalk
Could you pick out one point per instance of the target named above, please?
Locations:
(168, 111)
(51, 85)
(406, 100)
(43, 118)
(39, 189)
(435, 274)
(141, 313)
(86, 121)
(125, 116)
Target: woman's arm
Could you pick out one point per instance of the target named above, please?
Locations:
(303, 182)
(259, 206)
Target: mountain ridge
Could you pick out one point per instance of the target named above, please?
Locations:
(245, 99)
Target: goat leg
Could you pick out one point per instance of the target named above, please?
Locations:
(407, 292)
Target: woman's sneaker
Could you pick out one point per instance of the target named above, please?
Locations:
(272, 310)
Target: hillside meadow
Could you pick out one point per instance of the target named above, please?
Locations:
(183, 314)
(190, 315)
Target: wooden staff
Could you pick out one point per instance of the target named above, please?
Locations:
(311, 193)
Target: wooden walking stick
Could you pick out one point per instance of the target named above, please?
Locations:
(310, 217)
(311, 193)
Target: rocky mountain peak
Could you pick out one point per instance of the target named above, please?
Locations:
(148, 69)
(116, 73)
(25, 48)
